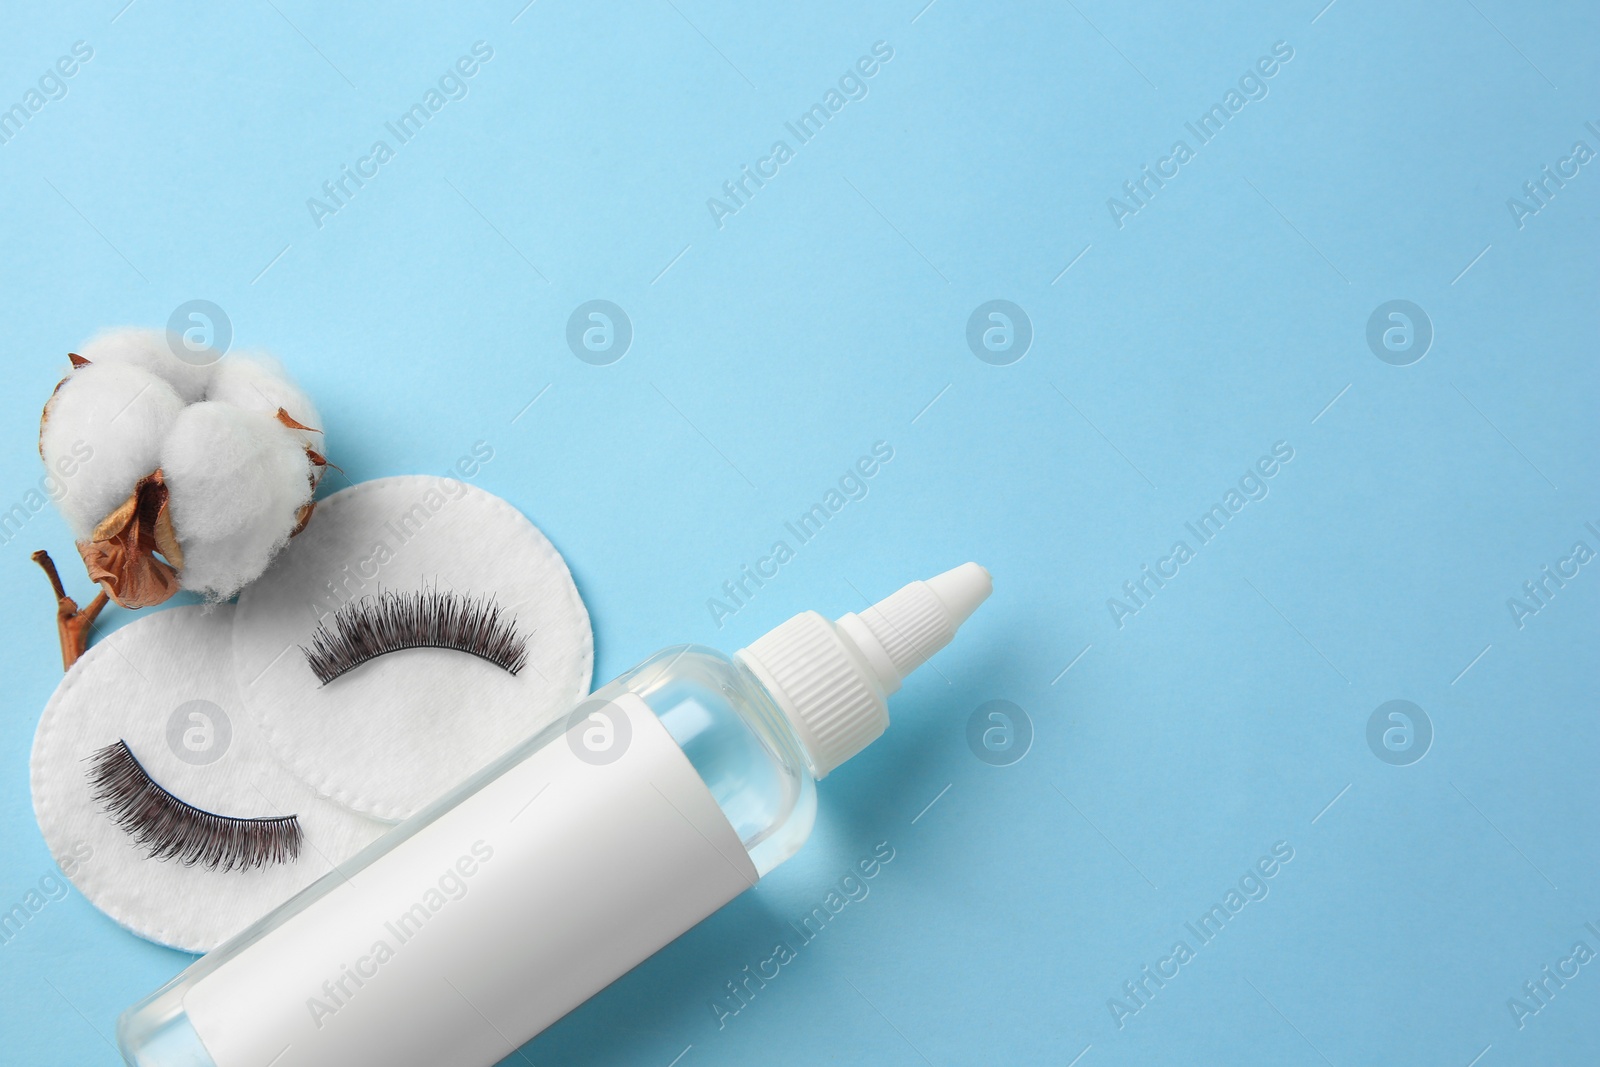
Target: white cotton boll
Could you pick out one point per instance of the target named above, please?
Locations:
(107, 423)
(236, 482)
(212, 460)
(149, 350)
(258, 382)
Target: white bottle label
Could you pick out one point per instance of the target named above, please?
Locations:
(492, 921)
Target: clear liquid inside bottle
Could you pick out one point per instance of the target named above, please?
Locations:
(739, 743)
(722, 718)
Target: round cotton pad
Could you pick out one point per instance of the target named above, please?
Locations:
(164, 684)
(395, 732)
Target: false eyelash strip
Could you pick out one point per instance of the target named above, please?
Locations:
(365, 629)
(173, 829)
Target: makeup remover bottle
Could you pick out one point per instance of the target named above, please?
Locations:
(481, 920)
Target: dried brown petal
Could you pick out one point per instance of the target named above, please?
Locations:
(303, 518)
(319, 467)
(77, 360)
(167, 538)
(121, 554)
(284, 417)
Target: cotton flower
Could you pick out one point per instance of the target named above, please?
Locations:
(186, 473)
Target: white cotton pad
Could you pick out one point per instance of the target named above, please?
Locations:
(399, 730)
(165, 685)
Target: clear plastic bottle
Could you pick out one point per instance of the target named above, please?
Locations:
(676, 786)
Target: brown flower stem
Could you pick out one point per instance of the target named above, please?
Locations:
(72, 623)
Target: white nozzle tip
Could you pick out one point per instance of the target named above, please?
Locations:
(831, 679)
(961, 589)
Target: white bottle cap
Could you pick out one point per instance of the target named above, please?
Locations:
(832, 680)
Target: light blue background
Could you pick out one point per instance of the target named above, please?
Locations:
(830, 313)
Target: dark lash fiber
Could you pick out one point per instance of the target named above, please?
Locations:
(173, 829)
(365, 629)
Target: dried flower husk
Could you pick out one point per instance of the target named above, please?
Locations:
(123, 554)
